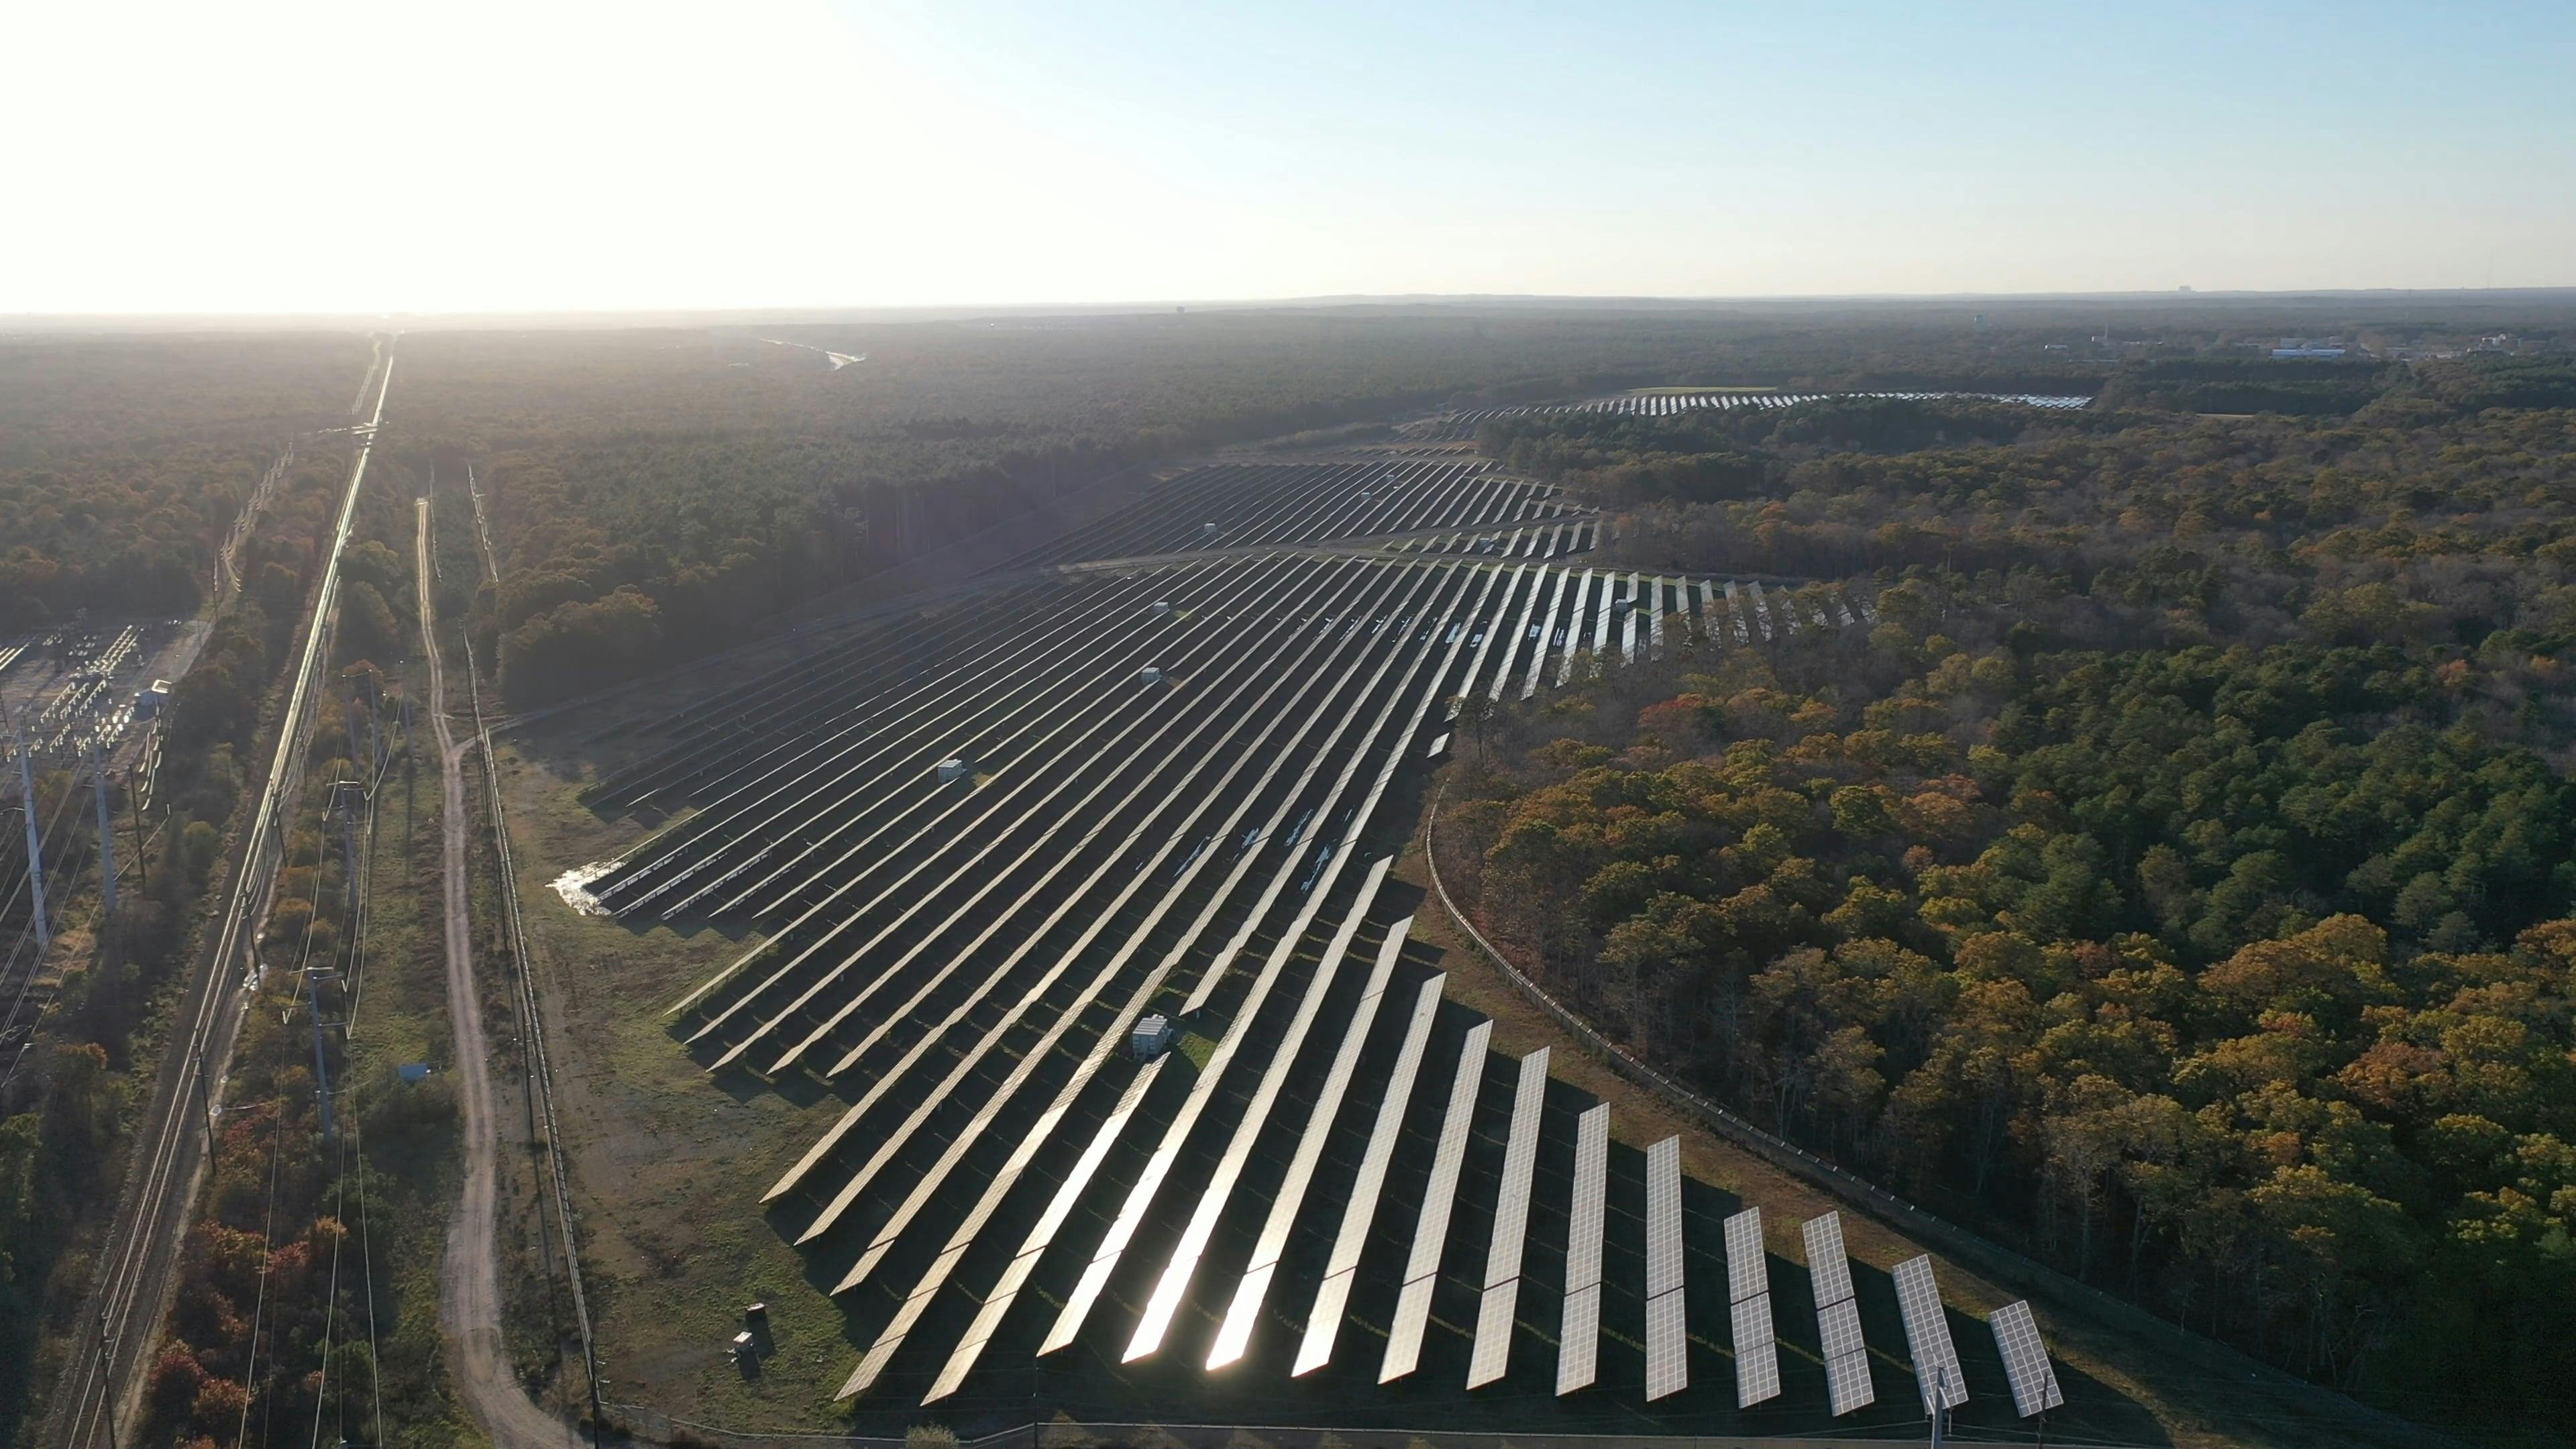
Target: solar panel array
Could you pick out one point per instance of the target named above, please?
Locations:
(1748, 1293)
(963, 961)
(1236, 1333)
(1493, 1350)
(1667, 1340)
(1837, 1316)
(1431, 1231)
(2034, 1382)
(1324, 1323)
(1578, 1353)
(1927, 1336)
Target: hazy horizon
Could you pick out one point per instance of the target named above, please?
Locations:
(479, 159)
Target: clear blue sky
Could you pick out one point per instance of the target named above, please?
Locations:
(801, 152)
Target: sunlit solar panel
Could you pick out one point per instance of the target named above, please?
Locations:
(2034, 1382)
(1927, 1336)
(1837, 1316)
(1324, 1323)
(1757, 1352)
(1591, 1181)
(1663, 1217)
(1826, 1265)
(1846, 1359)
(1431, 1230)
(1493, 1351)
(1667, 1347)
(1578, 1352)
(1511, 1226)
(1578, 1360)
(1746, 1272)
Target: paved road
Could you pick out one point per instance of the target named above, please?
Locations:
(469, 1288)
(130, 1296)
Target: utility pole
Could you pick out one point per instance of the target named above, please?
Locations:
(134, 802)
(35, 838)
(106, 832)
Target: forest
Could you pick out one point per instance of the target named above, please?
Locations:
(123, 461)
(654, 493)
(2174, 882)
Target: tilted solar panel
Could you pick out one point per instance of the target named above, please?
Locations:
(1846, 1359)
(1431, 1230)
(1927, 1336)
(1757, 1352)
(1663, 1217)
(1591, 1183)
(1578, 1359)
(1826, 1265)
(1746, 1272)
(1493, 1351)
(1667, 1347)
(2034, 1382)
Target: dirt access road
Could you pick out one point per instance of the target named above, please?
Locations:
(469, 1286)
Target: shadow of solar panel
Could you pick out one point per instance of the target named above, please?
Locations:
(2034, 1382)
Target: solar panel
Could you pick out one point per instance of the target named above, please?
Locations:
(1520, 1162)
(1746, 1273)
(1578, 1352)
(1431, 1230)
(1757, 1352)
(1591, 1174)
(1667, 1347)
(1846, 1359)
(1663, 1217)
(1578, 1358)
(1826, 1265)
(1236, 1333)
(1493, 1353)
(1927, 1336)
(2034, 1383)
(1316, 1349)
(1511, 1226)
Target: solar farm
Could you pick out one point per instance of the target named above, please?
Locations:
(1059, 919)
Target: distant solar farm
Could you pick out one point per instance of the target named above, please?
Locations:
(1070, 899)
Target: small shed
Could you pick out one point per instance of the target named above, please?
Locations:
(953, 769)
(1162, 608)
(1151, 1038)
(1152, 674)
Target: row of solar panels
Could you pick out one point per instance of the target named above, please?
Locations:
(1234, 505)
(1463, 424)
